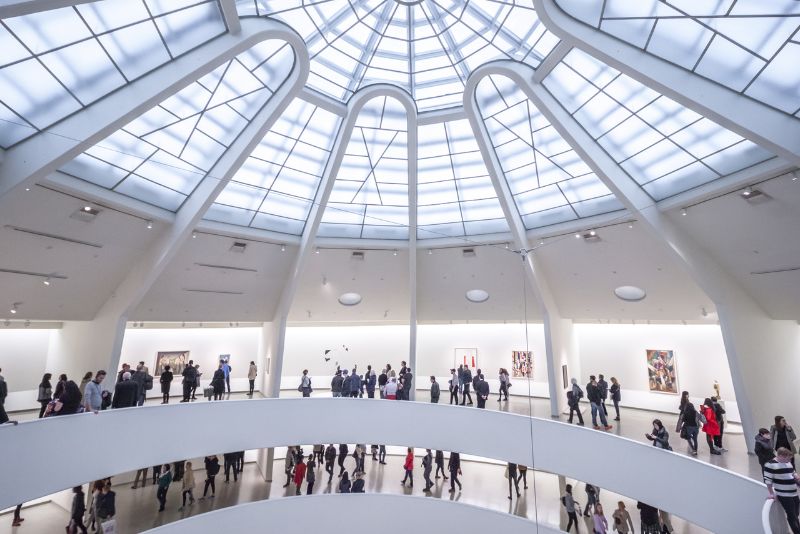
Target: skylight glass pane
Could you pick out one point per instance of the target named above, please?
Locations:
(665, 147)
(750, 46)
(187, 28)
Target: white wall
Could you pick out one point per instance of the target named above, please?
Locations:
(23, 356)
(619, 351)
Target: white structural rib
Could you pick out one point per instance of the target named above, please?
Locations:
(33, 159)
(16, 8)
(231, 16)
(753, 341)
(354, 106)
(558, 331)
(761, 124)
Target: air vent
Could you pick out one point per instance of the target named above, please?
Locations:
(357, 255)
(754, 196)
(226, 267)
(468, 252)
(215, 291)
(85, 214)
(52, 236)
(238, 247)
(591, 237)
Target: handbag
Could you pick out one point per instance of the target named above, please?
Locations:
(684, 434)
(109, 527)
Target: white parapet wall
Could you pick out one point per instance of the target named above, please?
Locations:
(57, 446)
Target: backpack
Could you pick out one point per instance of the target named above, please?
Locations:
(214, 470)
(105, 399)
(701, 419)
(148, 382)
(580, 393)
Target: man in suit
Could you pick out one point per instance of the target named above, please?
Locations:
(189, 380)
(126, 393)
(482, 391)
(427, 465)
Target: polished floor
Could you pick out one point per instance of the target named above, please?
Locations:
(484, 482)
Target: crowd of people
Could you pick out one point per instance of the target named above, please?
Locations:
(652, 520)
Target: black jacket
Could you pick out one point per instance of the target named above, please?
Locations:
(343, 448)
(336, 383)
(126, 393)
(602, 385)
(454, 464)
(189, 375)
(166, 377)
(106, 504)
(439, 458)
(382, 379)
(593, 393)
(218, 382)
(358, 486)
(482, 388)
(330, 453)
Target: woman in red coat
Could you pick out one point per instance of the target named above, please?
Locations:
(299, 475)
(711, 426)
(408, 465)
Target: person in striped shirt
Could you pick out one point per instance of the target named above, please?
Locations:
(781, 480)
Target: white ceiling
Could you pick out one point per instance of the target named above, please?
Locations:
(93, 273)
(747, 237)
(583, 275)
(169, 300)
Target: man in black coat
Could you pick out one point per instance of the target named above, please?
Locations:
(482, 391)
(189, 380)
(126, 393)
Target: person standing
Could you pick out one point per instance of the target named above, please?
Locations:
(252, 373)
(616, 396)
(3, 395)
(781, 480)
(622, 519)
(45, 393)
(382, 454)
(77, 511)
(330, 458)
(454, 385)
(85, 380)
(218, 381)
(570, 505)
(482, 391)
(336, 384)
(196, 383)
(93, 398)
(596, 400)
(355, 384)
(440, 464)
(504, 382)
(305, 384)
(383, 378)
(140, 379)
(226, 368)
(427, 467)
(390, 390)
(163, 485)
(189, 377)
(783, 436)
(602, 385)
(141, 474)
(408, 465)
(574, 407)
(511, 474)
(344, 484)
(719, 412)
(466, 382)
(311, 475)
(91, 508)
(166, 382)
(591, 498)
(288, 465)
(229, 460)
(454, 466)
(212, 468)
(435, 391)
(372, 381)
(599, 520)
(648, 516)
(710, 427)
(343, 449)
(408, 384)
(125, 392)
(576, 389)
(187, 485)
(763, 448)
(106, 504)
(299, 475)
(689, 426)
(60, 386)
(318, 454)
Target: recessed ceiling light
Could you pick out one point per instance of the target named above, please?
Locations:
(430, 252)
(149, 225)
(316, 251)
(477, 295)
(14, 307)
(630, 293)
(394, 253)
(747, 191)
(630, 225)
(194, 235)
(577, 236)
(87, 208)
(349, 299)
(283, 248)
(592, 233)
(27, 189)
(684, 212)
(46, 281)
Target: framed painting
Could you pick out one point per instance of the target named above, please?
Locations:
(176, 359)
(662, 371)
(521, 363)
(564, 376)
(466, 357)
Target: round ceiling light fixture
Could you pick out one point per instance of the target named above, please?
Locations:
(630, 293)
(349, 299)
(477, 295)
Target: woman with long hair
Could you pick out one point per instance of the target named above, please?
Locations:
(70, 400)
(616, 395)
(85, 380)
(60, 385)
(783, 435)
(710, 427)
(659, 437)
(681, 406)
(599, 520)
(45, 393)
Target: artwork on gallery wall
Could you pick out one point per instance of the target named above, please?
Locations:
(466, 357)
(521, 363)
(225, 358)
(176, 359)
(662, 371)
(564, 376)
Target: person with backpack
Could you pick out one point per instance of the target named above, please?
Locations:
(427, 467)
(660, 436)
(163, 485)
(689, 425)
(408, 465)
(574, 407)
(710, 427)
(570, 505)
(189, 377)
(591, 498)
(330, 458)
(166, 381)
(435, 391)
(212, 469)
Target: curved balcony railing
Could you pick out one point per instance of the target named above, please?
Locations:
(73, 449)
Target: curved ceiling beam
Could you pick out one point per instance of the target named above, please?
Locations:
(761, 124)
(546, 445)
(31, 160)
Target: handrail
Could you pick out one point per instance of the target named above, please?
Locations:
(63, 448)
(772, 519)
(291, 516)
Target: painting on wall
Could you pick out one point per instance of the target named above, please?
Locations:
(564, 376)
(662, 372)
(176, 359)
(521, 363)
(466, 357)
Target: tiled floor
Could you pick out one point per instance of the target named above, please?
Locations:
(484, 483)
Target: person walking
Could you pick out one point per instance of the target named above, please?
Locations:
(616, 396)
(504, 383)
(523, 475)
(574, 407)
(252, 373)
(511, 474)
(382, 454)
(318, 454)
(91, 508)
(218, 381)
(599, 520)
(343, 449)
(187, 485)
(454, 385)
(344, 484)
(660, 436)
(482, 391)
(439, 459)
(719, 412)
(689, 426)
(288, 465)
(408, 465)
(454, 466)
(427, 467)
(163, 485)
(77, 511)
(782, 480)
(166, 382)
(595, 400)
(710, 426)
(602, 385)
(141, 474)
(330, 458)
(570, 505)
(305, 384)
(311, 474)
(466, 382)
(591, 498)
(435, 391)
(783, 436)
(212, 469)
(763, 448)
(106, 504)
(189, 377)
(622, 520)
(299, 475)
(45, 393)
